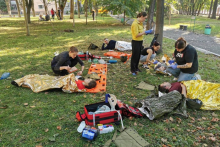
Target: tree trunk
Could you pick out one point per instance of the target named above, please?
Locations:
(33, 11)
(8, 4)
(160, 22)
(45, 6)
(73, 13)
(71, 9)
(200, 8)
(56, 5)
(62, 4)
(150, 16)
(96, 8)
(28, 6)
(124, 18)
(169, 15)
(18, 8)
(193, 7)
(210, 9)
(78, 5)
(214, 9)
(86, 4)
(25, 18)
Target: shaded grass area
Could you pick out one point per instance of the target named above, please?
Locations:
(33, 124)
(200, 23)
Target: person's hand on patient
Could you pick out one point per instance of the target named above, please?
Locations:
(173, 66)
(79, 73)
(67, 68)
(72, 69)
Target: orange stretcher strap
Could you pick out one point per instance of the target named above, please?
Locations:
(101, 70)
(117, 54)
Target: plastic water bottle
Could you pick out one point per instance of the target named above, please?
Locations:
(5, 75)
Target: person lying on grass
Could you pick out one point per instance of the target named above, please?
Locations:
(65, 62)
(110, 44)
(68, 83)
(207, 92)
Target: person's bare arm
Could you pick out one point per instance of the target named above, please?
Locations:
(187, 65)
(183, 89)
(149, 51)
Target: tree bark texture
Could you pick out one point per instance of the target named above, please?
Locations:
(96, 8)
(158, 106)
(18, 8)
(45, 6)
(86, 5)
(62, 4)
(150, 16)
(160, 22)
(78, 6)
(8, 4)
(25, 18)
(28, 6)
(33, 11)
(210, 9)
(214, 9)
(73, 13)
(71, 9)
(56, 5)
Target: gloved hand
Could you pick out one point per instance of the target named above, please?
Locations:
(174, 66)
(155, 62)
(171, 61)
(148, 32)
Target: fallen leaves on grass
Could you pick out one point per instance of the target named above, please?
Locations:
(38, 146)
(214, 115)
(135, 123)
(214, 119)
(32, 106)
(163, 140)
(46, 130)
(74, 101)
(84, 96)
(171, 119)
(179, 120)
(25, 104)
(212, 139)
(58, 127)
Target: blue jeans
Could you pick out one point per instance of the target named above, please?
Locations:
(180, 75)
(143, 58)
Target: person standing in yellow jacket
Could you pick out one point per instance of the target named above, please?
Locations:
(137, 30)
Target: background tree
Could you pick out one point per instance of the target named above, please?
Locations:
(18, 8)
(78, 6)
(150, 16)
(210, 9)
(62, 4)
(71, 9)
(95, 6)
(8, 4)
(127, 7)
(3, 6)
(214, 9)
(45, 6)
(160, 22)
(25, 17)
(73, 5)
(28, 4)
(33, 11)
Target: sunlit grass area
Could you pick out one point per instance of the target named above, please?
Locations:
(34, 124)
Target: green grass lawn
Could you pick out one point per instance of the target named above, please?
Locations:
(34, 124)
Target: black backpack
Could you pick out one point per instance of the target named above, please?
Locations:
(92, 46)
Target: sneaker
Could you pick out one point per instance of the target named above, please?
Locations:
(145, 66)
(198, 77)
(134, 74)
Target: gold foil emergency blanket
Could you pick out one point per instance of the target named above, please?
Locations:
(208, 93)
(40, 83)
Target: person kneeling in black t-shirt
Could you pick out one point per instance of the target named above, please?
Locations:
(186, 61)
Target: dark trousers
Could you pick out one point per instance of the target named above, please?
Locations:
(136, 53)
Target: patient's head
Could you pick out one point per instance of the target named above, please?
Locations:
(164, 87)
(160, 67)
(89, 83)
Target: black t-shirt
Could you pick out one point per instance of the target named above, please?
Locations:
(63, 59)
(144, 51)
(188, 55)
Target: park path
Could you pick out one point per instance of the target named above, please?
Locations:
(204, 43)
